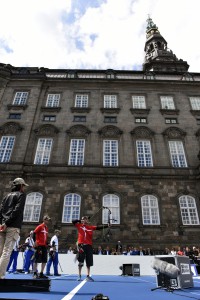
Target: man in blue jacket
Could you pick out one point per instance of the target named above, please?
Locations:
(11, 218)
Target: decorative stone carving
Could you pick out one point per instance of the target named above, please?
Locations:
(78, 131)
(110, 131)
(46, 130)
(10, 128)
(174, 133)
(142, 132)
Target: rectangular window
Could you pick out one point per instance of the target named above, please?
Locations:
(110, 101)
(110, 119)
(150, 211)
(79, 118)
(110, 153)
(140, 120)
(81, 100)
(139, 102)
(6, 147)
(14, 116)
(195, 103)
(53, 100)
(111, 204)
(144, 155)
(49, 118)
(32, 207)
(43, 151)
(177, 154)
(71, 208)
(198, 121)
(171, 121)
(76, 156)
(167, 102)
(20, 98)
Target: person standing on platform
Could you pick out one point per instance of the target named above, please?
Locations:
(13, 258)
(85, 250)
(29, 253)
(119, 247)
(40, 236)
(53, 254)
(11, 218)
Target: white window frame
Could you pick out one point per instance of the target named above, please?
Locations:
(81, 100)
(43, 151)
(188, 210)
(33, 207)
(110, 101)
(53, 100)
(77, 152)
(177, 154)
(144, 153)
(20, 98)
(110, 153)
(150, 210)
(6, 148)
(139, 102)
(112, 202)
(167, 102)
(195, 103)
(71, 208)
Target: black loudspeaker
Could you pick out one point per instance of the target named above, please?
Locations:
(183, 280)
(25, 285)
(131, 269)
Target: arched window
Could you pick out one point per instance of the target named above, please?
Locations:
(150, 211)
(33, 207)
(111, 202)
(188, 210)
(71, 207)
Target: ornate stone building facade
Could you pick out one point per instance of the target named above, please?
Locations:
(90, 142)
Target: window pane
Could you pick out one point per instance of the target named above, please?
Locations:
(177, 154)
(77, 149)
(150, 211)
(6, 147)
(112, 202)
(188, 210)
(110, 153)
(144, 155)
(20, 98)
(195, 103)
(110, 101)
(53, 100)
(32, 208)
(167, 102)
(43, 151)
(139, 102)
(71, 208)
(81, 100)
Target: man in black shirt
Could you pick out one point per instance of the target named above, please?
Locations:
(11, 218)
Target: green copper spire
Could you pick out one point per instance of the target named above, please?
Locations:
(151, 27)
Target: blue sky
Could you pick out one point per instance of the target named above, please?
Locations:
(95, 34)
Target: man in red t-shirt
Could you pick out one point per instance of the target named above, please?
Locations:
(85, 251)
(40, 236)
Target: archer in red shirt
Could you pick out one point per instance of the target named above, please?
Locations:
(40, 236)
(85, 251)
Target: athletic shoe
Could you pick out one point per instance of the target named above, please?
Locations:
(79, 278)
(88, 278)
(43, 276)
(35, 275)
(26, 273)
(57, 274)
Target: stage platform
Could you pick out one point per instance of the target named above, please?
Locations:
(66, 287)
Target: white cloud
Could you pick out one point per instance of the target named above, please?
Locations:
(106, 34)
